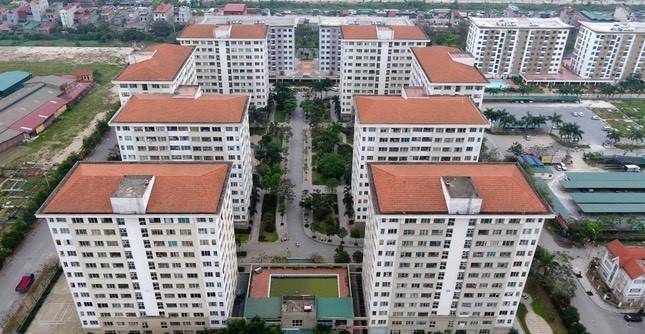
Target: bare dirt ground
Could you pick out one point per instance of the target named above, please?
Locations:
(78, 55)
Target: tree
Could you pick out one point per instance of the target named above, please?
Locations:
(253, 326)
(132, 35)
(322, 329)
(332, 166)
(507, 120)
(357, 256)
(161, 29)
(516, 148)
(553, 271)
(341, 255)
(285, 190)
(513, 331)
(570, 315)
(635, 135)
(555, 119)
(342, 233)
(355, 234)
(570, 132)
(272, 178)
(607, 90)
(614, 136)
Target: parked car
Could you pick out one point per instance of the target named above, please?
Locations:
(563, 166)
(581, 114)
(632, 317)
(557, 167)
(574, 113)
(595, 117)
(607, 128)
(25, 283)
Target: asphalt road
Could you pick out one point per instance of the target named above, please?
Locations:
(593, 134)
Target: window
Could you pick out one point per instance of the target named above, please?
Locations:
(296, 323)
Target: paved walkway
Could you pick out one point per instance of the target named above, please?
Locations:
(535, 323)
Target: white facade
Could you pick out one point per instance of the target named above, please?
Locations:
(623, 270)
(458, 269)
(187, 139)
(448, 71)
(67, 15)
(282, 48)
(183, 14)
(609, 50)
(417, 139)
(329, 49)
(38, 8)
(231, 59)
(376, 65)
(157, 69)
(129, 270)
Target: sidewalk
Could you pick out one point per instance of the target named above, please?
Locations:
(535, 323)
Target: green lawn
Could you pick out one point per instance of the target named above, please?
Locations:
(521, 314)
(63, 131)
(280, 116)
(629, 114)
(543, 306)
(293, 285)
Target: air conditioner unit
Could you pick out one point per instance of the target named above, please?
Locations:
(307, 308)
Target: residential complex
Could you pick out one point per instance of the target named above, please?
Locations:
(609, 50)
(445, 249)
(376, 60)
(444, 70)
(157, 69)
(413, 129)
(505, 47)
(623, 270)
(230, 59)
(146, 247)
(190, 127)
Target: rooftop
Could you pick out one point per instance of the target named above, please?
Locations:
(237, 31)
(615, 28)
(163, 8)
(631, 258)
(173, 109)
(373, 31)
(416, 188)
(359, 20)
(166, 62)
(421, 110)
(460, 187)
(440, 66)
(10, 78)
(519, 23)
(260, 286)
(178, 187)
(234, 7)
(132, 186)
(250, 19)
(596, 16)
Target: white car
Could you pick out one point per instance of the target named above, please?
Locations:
(574, 113)
(581, 114)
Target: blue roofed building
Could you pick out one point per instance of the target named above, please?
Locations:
(11, 81)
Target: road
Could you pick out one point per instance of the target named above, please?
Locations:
(37, 249)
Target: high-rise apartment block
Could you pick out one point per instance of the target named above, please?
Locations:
(444, 70)
(376, 60)
(448, 246)
(413, 129)
(191, 127)
(230, 59)
(505, 47)
(157, 69)
(329, 48)
(146, 247)
(609, 50)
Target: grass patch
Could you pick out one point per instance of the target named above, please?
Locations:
(521, 314)
(257, 131)
(242, 234)
(64, 129)
(267, 226)
(317, 179)
(280, 116)
(545, 309)
(55, 42)
(319, 286)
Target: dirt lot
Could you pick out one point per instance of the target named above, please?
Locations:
(78, 55)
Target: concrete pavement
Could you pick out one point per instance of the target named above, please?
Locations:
(535, 323)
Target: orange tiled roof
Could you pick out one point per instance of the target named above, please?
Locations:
(164, 65)
(416, 187)
(169, 109)
(423, 110)
(630, 258)
(163, 8)
(370, 32)
(238, 31)
(439, 66)
(178, 187)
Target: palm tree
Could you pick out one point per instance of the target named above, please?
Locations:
(635, 135)
(494, 115)
(527, 120)
(614, 136)
(570, 132)
(556, 119)
(507, 120)
(539, 120)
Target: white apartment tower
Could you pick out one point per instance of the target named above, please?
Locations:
(230, 59)
(609, 50)
(505, 47)
(282, 48)
(445, 70)
(191, 127)
(146, 247)
(157, 69)
(412, 129)
(448, 246)
(38, 8)
(376, 60)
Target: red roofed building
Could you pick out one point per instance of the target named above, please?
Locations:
(235, 9)
(164, 12)
(84, 75)
(623, 269)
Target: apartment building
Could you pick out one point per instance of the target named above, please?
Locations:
(445, 70)
(67, 15)
(445, 249)
(38, 8)
(505, 47)
(281, 39)
(609, 50)
(191, 127)
(230, 59)
(623, 270)
(376, 60)
(164, 12)
(157, 69)
(413, 129)
(146, 247)
(329, 37)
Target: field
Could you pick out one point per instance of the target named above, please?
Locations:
(294, 285)
(627, 115)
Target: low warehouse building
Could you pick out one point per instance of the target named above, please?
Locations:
(12, 81)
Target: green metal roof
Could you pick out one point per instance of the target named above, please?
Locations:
(8, 79)
(587, 184)
(597, 16)
(541, 169)
(265, 308)
(556, 205)
(609, 176)
(336, 308)
(612, 208)
(609, 198)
